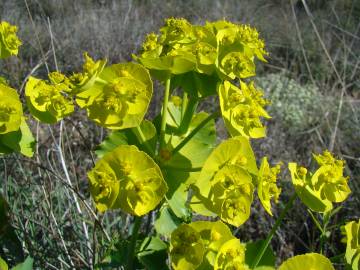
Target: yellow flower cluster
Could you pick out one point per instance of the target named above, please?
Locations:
(325, 186)
(9, 42)
(227, 180)
(242, 108)
(129, 179)
(206, 245)
(220, 47)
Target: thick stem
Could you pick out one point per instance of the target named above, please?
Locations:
(164, 113)
(194, 131)
(132, 246)
(272, 232)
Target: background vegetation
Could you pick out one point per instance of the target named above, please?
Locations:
(312, 78)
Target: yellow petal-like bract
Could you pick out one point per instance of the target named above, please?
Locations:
(10, 109)
(47, 101)
(186, 248)
(221, 48)
(86, 79)
(225, 186)
(325, 186)
(129, 179)
(206, 245)
(267, 188)
(242, 108)
(352, 255)
(329, 179)
(231, 256)
(9, 42)
(120, 96)
(309, 261)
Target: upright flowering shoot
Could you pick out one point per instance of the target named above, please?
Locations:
(242, 109)
(10, 109)
(129, 179)
(119, 97)
(9, 42)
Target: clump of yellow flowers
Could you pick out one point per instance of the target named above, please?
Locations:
(173, 165)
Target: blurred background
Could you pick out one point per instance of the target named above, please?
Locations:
(312, 78)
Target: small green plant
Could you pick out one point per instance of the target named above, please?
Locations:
(172, 164)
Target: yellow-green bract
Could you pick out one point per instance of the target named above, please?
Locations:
(267, 188)
(352, 237)
(119, 97)
(326, 186)
(47, 101)
(242, 108)
(83, 80)
(309, 261)
(129, 179)
(225, 186)
(206, 245)
(9, 42)
(221, 48)
(10, 109)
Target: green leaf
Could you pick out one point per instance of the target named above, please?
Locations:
(166, 222)
(21, 141)
(177, 170)
(129, 136)
(26, 265)
(153, 254)
(252, 250)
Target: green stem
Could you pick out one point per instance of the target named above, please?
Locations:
(195, 169)
(185, 101)
(132, 246)
(191, 106)
(194, 131)
(144, 142)
(273, 230)
(164, 113)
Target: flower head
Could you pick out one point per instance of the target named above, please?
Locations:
(120, 99)
(242, 109)
(267, 188)
(9, 42)
(86, 79)
(47, 102)
(186, 248)
(129, 179)
(231, 256)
